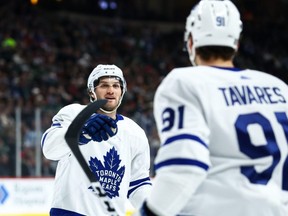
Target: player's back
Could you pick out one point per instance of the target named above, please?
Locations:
(242, 116)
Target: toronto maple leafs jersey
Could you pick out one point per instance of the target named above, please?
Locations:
(121, 164)
(224, 139)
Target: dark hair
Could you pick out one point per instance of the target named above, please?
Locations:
(96, 82)
(213, 52)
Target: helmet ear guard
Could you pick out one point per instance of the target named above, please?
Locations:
(213, 23)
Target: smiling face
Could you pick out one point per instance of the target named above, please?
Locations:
(109, 88)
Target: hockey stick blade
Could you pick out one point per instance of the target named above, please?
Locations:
(72, 137)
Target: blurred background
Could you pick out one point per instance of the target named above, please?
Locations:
(49, 47)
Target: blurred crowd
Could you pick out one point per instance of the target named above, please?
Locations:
(45, 59)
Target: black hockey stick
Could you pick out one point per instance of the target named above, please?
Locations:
(72, 138)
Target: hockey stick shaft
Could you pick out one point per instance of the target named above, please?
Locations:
(72, 137)
(73, 133)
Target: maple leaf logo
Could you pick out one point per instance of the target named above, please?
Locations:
(110, 173)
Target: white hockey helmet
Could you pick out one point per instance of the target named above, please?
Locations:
(105, 71)
(213, 23)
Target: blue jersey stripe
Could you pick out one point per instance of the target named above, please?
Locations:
(133, 189)
(185, 136)
(139, 181)
(56, 124)
(181, 161)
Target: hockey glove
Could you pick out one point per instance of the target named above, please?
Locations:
(98, 128)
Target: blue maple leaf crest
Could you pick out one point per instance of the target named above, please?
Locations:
(109, 174)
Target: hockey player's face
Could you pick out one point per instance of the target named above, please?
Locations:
(110, 89)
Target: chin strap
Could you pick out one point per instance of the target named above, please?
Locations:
(108, 112)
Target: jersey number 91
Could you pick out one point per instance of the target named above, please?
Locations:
(269, 149)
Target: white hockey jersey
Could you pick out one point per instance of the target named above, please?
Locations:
(121, 164)
(224, 136)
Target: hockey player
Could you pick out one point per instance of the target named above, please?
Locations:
(224, 130)
(116, 148)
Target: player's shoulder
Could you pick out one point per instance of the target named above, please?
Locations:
(127, 121)
(193, 73)
(72, 109)
(179, 76)
(187, 73)
(129, 124)
(191, 69)
(265, 77)
(182, 70)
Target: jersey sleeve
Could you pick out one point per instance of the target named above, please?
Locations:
(183, 160)
(140, 183)
(53, 143)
